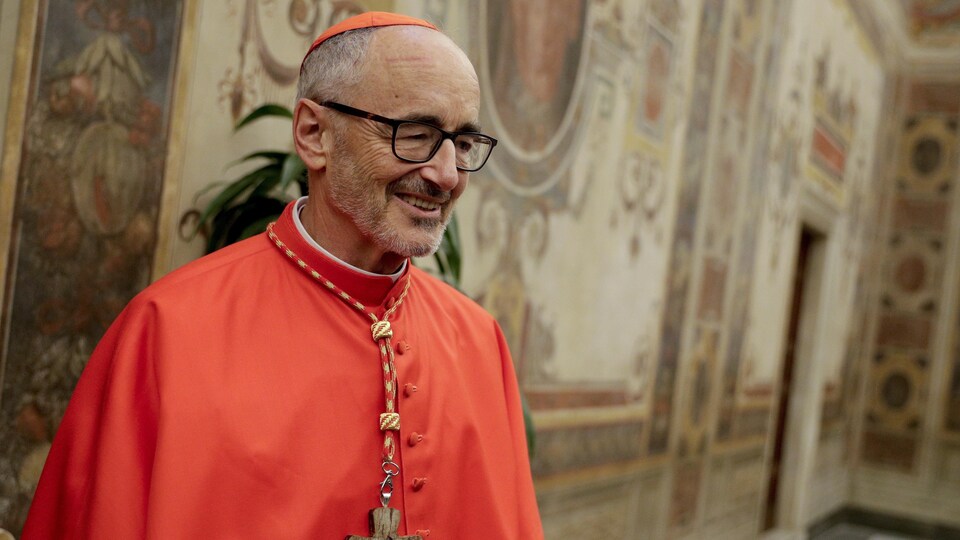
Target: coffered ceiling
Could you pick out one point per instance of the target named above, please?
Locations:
(914, 37)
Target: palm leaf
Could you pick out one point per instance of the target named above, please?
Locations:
(528, 427)
(258, 226)
(235, 223)
(234, 190)
(452, 238)
(293, 170)
(263, 111)
(267, 187)
(275, 156)
(448, 255)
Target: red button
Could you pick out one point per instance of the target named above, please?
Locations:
(418, 483)
(402, 347)
(391, 302)
(409, 389)
(423, 532)
(414, 439)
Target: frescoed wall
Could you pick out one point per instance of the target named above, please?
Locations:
(83, 231)
(913, 280)
(636, 234)
(909, 448)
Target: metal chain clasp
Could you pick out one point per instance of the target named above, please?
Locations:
(390, 469)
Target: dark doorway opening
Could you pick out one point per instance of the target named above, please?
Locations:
(807, 277)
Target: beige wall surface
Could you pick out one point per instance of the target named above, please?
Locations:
(636, 235)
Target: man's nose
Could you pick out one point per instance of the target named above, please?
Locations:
(442, 167)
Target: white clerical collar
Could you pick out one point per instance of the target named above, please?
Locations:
(298, 207)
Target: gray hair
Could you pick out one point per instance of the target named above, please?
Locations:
(334, 67)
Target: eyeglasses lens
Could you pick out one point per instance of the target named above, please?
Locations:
(418, 142)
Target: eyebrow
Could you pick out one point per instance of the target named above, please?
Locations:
(435, 121)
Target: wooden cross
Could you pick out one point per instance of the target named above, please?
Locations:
(383, 526)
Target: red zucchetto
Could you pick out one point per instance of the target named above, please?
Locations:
(369, 19)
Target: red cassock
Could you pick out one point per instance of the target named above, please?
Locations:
(238, 398)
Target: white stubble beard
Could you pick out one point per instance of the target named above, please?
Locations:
(351, 195)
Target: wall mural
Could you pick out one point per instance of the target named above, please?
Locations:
(533, 99)
(642, 183)
(730, 419)
(724, 168)
(864, 236)
(643, 192)
(835, 114)
(538, 105)
(775, 241)
(587, 98)
(555, 105)
(258, 75)
(702, 363)
(912, 279)
(657, 55)
(534, 54)
(694, 174)
(556, 118)
(934, 22)
(681, 257)
(84, 223)
(724, 198)
(844, 146)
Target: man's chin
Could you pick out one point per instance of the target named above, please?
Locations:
(421, 252)
(421, 246)
(424, 248)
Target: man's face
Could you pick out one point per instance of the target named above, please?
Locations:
(398, 207)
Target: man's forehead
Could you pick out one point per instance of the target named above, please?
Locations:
(406, 40)
(415, 73)
(400, 47)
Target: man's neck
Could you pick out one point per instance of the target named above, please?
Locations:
(328, 233)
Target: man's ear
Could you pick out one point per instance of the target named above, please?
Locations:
(311, 134)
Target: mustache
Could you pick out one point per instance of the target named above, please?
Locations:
(417, 185)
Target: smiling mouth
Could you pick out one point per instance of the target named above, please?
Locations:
(417, 202)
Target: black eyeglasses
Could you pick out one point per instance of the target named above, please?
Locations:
(418, 142)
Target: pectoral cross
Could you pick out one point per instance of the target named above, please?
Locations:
(383, 526)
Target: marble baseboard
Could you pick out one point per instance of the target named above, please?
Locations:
(895, 524)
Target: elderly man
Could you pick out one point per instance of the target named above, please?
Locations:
(310, 382)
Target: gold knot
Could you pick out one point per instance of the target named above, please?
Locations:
(390, 421)
(380, 330)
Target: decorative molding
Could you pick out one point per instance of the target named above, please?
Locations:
(621, 506)
(169, 216)
(564, 450)
(10, 166)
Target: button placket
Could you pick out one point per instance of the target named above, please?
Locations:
(414, 455)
